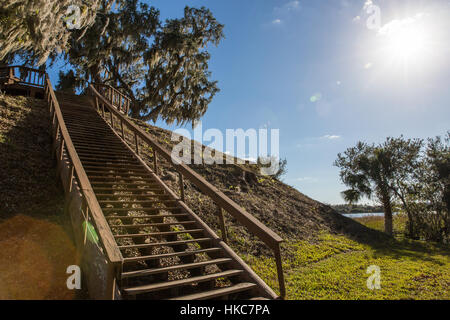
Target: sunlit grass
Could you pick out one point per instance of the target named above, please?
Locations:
(334, 267)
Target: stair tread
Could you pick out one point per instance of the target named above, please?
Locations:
(210, 294)
(148, 217)
(162, 244)
(147, 272)
(138, 209)
(178, 283)
(138, 235)
(172, 254)
(126, 226)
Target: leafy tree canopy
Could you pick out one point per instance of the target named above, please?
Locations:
(379, 171)
(162, 66)
(38, 29)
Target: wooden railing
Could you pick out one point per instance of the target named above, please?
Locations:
(23, 75)
(92, 211)
(270, 238)
(119, 100)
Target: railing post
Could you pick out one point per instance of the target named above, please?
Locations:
(136, 141)
(121, 127)
(112, 119)
(155, 162)
(70, 178)
(279, 263)
(97, 106)
(223, 228)
(180, 175)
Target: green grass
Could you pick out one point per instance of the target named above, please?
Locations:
(334, 267)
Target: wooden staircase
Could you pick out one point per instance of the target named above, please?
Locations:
(148, 243)
(168, 252)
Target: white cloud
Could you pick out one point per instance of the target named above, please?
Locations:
(397, 25)
(285, 11)
(356, 19)
(368, 65)
(331, 137)
(288, 7)
(276, 21)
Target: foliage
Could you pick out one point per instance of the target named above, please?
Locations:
(400, 170)
(163, 67)
(67, 82)
(281, 170)
(37, 29)
(430, 192)
(374, 170)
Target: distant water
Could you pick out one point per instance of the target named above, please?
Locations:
(362, 215)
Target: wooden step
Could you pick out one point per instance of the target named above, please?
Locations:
(102, 161)
(171, 255)
(128, 189)
(148, 272)
(211, 294)
(93, 149)
(157, 234)
(97, 156)
(99, 179)
(135, 202)
(179, 283)
(90, 164)
(101, 152)
(124, 172)
(134, 196)
(122, 184)
(156, 225)
(148, 217)
(117, 210)
(162, 244)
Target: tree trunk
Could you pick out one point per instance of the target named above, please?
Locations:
(95, 74)
(388, 226)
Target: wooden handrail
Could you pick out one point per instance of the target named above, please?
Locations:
(270, 238)
(106, 237)
(34, 77)
(118, 99)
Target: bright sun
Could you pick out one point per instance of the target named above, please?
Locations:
(405, 42)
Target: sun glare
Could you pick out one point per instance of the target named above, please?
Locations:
(406, 42)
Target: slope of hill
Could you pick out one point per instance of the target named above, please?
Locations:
(35, 236)
(282, 208)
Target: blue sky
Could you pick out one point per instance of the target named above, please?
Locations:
(314, 70)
